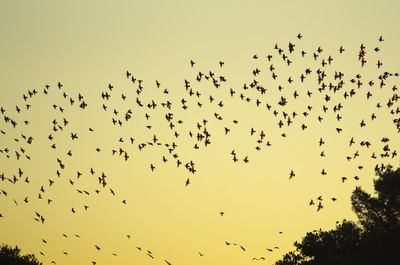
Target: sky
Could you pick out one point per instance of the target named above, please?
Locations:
(87, 45)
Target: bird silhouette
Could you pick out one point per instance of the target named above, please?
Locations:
(152, 123)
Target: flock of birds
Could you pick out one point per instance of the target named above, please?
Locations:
(328, 85)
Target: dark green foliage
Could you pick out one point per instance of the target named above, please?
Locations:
(376, 241)
(12, 256)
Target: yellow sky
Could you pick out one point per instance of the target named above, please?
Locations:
(87, 45)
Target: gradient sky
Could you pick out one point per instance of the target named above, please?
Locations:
(86, 45)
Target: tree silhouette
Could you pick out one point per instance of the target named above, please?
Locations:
(381, 212)
(375, 240)
(12, 256)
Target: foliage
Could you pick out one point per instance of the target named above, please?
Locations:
(12, 256)
(375, 240)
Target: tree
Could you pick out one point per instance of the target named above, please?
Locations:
(383, 211)
(12, 256)
(380, 217)
(374, 241)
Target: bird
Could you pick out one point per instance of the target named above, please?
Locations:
(320, 206)
(142, 121)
